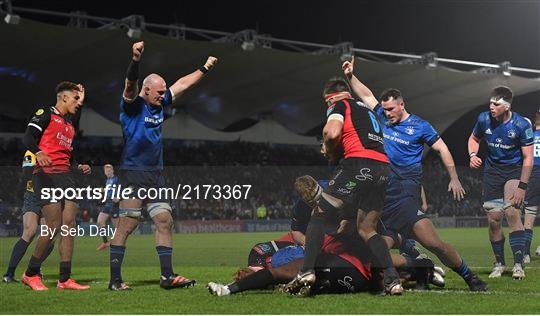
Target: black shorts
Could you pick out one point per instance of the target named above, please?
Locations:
(360, 183)
(336, 275)
(533, 190)
(31, 203)
(143, 182)
(495, 177)
(45, 183)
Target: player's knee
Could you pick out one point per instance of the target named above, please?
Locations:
(131, 212)
(155, 209)
(494, 206)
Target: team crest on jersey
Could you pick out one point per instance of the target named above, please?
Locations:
(511, 134)
(529, 133)
(409, 130)
(39, 112)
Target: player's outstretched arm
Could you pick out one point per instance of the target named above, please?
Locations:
(360, 89)
(473, 145)
(455, 185)
(131, 87)
(186, 82)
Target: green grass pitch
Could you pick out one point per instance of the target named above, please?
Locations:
(215, 257)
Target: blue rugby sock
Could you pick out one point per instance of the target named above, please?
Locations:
(463, 270)
(498, 250)
(517, 243)
(116, 259)
(528, 240)
(19, 249)
(165, 260)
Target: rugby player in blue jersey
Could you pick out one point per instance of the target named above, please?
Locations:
(404, 137)
(532, 196)
(110, 207)
(142, 113)
(507, 169)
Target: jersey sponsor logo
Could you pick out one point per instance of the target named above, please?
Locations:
(511, 134)
(376, 138)
(153, 120)
(331, 182)
(499, 140)
(409, 130)
(39, 112)
(364, 175)
(57, 120)
(350, 185)
(344, 191)
(346, 282)
(488, 131)
(500, 145)
(396, 139)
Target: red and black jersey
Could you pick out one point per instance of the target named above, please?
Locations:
(55, 140)
(362, 135)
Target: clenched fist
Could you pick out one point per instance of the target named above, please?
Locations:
(138, 49)
(210, 62)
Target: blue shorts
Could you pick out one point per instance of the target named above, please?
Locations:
(495, 177)
(402, 208)
(31, 203)
(532, 197)
(139, 179)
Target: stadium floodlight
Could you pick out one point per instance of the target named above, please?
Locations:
(134, 33)
(505, 69)
(12, 19)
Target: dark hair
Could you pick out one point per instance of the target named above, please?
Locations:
(66, 86)
(335, 85)
(502, 92)
(391, 93)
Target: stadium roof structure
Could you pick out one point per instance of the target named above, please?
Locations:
(257, 78)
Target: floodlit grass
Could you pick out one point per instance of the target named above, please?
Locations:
(215, 257)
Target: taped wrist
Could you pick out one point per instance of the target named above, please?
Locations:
(132, 73)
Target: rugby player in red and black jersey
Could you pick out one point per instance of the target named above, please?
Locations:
(357, 186)
(49, 136)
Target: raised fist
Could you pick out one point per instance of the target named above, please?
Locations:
(210, 62)
(138, 49)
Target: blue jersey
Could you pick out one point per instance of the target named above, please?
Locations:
(536, 149)
(112, 189)
(302, 212)
(141, 127)
(504, 140)
(404, 144)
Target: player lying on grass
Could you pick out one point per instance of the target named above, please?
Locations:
(343, 266)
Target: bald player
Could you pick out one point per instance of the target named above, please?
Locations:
(142, 112)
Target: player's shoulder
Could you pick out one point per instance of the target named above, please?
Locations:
(484, 117)
(417, 120)
(521, 121)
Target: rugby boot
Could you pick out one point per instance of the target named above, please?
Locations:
(517, 272)
(34, 282)
(175, 281)
(70, 284)
(118, 285)
(7, 278)
(475, 284)
(498, 270)
(218, 289)
(301, 284)
(308, 189)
